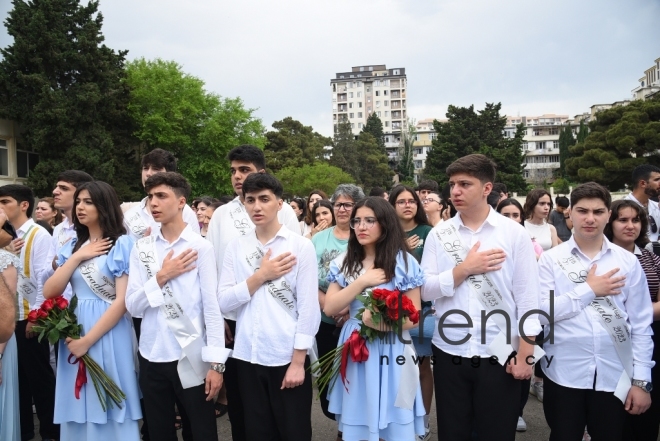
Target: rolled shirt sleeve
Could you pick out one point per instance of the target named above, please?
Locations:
(309, 313)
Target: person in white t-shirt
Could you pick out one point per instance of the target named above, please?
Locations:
(646, 187)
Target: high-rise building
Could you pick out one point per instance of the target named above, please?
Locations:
(649, 84)
(368, 89)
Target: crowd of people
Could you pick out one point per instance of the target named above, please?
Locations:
(197, 307)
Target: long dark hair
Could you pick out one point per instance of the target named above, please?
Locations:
(420, 215)
(327, 204)
(532, 201)
(515, 203)
(300, 202)
(308, 213)
(111, 218)
(619, 205)
(391, 242)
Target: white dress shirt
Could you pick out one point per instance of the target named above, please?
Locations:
(265, 333)
(517, 281)
(582, 347)
(62, 233)
(230, 221)
(189, 217)
(653, 211)
(37, 261)
(196, 292)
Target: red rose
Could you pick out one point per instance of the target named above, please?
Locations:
(61, 302)
(407, 304)
(392, 301)
(380, 294)
(41, 314)
(47, 305)
(414, 317)
(393, 313)
(32, 316)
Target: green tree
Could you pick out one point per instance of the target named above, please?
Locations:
(619, 139)
(293, 144)
(406, 165)
(467, 132)
(374, 170)
(66, 90)
(172, 110)
(583, 131)
(344, 150)
(298, 181)
(374, 126)
(566, 141)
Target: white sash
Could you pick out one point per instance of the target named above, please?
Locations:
(135, 222)
(240, 220)
(99, 283)
(192, 370)
(62, 238)
(25, 287)
(279, 289)
(487, 293)
(611, 318)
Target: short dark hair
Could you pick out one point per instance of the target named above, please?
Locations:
(428, 184)
(377, 191)
(174, 180)
(248, 153)
(475, 165)
(562, 201)
(74, 177)
(643, 173)
(262, 181)
(159, 158)
(493, 198)
(619, 205)
(20, 192)
(591, 190)
(499, 187)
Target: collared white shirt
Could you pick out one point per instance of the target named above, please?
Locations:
(583, 348)
(189, 217)
(653, 211)
(37, 262)
(230, 221)
(62, 233)
(265, 333)
(195, 291)
(517, 281)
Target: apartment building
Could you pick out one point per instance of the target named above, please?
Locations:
(423, 142)
(649, 84)
(371, 89)
(15, 160)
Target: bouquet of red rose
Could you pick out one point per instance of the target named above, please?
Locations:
(388, 310)
(56, 320)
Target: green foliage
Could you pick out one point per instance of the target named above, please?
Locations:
(298, 181)
(583, 131)
(172, 110)
(66, 90)
(561, 185)
(293, 145)
(467, 132)
(619, 139)
(566, 140)
(374, 127)
(406, 165)
(344, 153)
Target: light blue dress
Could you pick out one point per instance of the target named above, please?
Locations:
(10, 427)
(84, 419)
(366, 411)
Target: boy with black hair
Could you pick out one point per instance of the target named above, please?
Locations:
(172, 284)
(138, 219)
(601, 327)
(646, 188)
(479, 264)
(36, 380)
(228, 222)
(426, 187)
(269, 278)
(501, 190)
(560, 217)
(378, 191)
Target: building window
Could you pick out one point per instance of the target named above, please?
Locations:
(350, 85)
(433, 135)
(525, 145)
(360, 105)
(554, 131)
(351, 115)
(359, 75)
(555, 144)
(385, 92)
(4, 160)
(359, 84)
(26, 161)
(368, 89)
(386, 103)
(378, 114)
(359, 94)
(387, 113)
(378, 93)
(359, 125)
(350, 94)
(377, 104)
(352, 76)
(350, 105)
(377, 83)
(395, 72)
(341, 77)
(387, 123)
(371, 68)
(352, 125)
(359, 114)
(540, 145)
(361, 68)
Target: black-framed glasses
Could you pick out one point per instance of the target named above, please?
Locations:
(348, 206)
(404, 202)
(369, 222)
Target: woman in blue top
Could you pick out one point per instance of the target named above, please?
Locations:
(384, 399)
(10, 428)
(107, 333)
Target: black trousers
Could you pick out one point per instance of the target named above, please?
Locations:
(273, 413)
(36, 382)
(327, 338)
(161, 387)
(568, 411)
(234, 398)
(468, 396)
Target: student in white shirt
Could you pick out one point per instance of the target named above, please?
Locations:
(269, 278)
(172, 284)
(228, 222)
(36, 380)
(646, 185)
(593, 282)
(472, 388)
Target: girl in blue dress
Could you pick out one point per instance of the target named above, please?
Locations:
(10, 428)
(107, 333)
(381, 399)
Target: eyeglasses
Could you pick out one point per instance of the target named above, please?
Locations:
(369, 222)
(348, 206)
(403, 202)
(428, 201)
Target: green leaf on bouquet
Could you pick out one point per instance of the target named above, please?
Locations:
(41, 335)
(62, 324)
(73, 303)
(53, 336)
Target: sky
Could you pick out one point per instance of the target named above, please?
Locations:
(534, 57)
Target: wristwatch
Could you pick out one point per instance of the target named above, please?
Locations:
(646, 386)
(218, 367)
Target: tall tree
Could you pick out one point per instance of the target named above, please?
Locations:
(298, 181)
(172, 110)
(619, 139)
(374, 126)
(406, 165)
(374, 170)
(66, 90)
(344, 151)
(583, 131)
(293, 144)
(566, 140)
